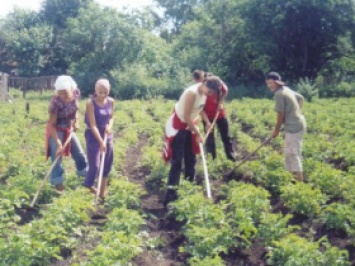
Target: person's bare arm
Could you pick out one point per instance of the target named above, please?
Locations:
(52, 121)
(109, 126)
(189, 103)
(279, 121)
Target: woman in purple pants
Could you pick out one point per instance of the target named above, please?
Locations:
(99, 121)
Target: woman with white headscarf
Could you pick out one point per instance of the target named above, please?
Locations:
(63, 120)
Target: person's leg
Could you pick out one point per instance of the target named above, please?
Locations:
(175, 168)
(78, 155)
(298, 176)
(107, 167)
(223, 129)
(189, 158)
(93, 153)
(293, 154)
(57, 177)
(210, 143)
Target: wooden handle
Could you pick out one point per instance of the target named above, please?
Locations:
(49, 172)
(210, 129)
(207, 182)
(249, 155)
(100, 174)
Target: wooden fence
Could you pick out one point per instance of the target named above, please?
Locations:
(36, 84)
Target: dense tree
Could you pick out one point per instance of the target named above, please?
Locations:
(25, 43)
(57, 12)
(154, 73)
(178, 13)
(216, 41)
(300, 36)
(146, 55)
(99, 40)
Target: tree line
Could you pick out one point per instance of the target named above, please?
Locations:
(147, 53)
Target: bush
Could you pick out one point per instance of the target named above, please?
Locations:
(140, 81)
(345, 89)
(294, 251)
(302, 199)
(307, 89)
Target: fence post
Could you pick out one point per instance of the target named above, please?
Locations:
(27, 109)
(24, 87)
(4, 89)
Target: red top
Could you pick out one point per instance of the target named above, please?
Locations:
(210, 107)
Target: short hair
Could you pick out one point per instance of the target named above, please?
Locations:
(198, 74)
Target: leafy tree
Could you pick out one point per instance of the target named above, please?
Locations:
(299, 36)
(99, 40)
(25, 43)
(178, 13)
(216, 41)
(30, 47)
(147, 19)
(56, 12)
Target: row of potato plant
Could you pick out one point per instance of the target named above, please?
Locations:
(307, 199)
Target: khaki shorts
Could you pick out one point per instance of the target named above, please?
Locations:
(293, 151)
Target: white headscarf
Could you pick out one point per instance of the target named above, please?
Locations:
(65, 83)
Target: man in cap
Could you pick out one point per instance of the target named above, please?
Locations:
(288, 104)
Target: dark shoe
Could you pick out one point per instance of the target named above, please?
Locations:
(59, 188)
(171, 195)
(231, 157)
(190, 178)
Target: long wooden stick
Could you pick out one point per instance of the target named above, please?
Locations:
(210, 129)
(207, 182)
(100, 175)
(248, 156)
(49, 172)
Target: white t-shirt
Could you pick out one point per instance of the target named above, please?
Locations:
(199, 103)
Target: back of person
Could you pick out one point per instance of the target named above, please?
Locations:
(286, 102)
(198, 104)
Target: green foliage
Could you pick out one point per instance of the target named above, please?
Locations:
(99, 40)
(345, 89)
(292, 38)
(211, 261)
(296, 251)
(30, 47)
(340, 216)
(208, 241)
(302, 199)
(199, 211)
(124, 220)
(124, 194)
(115, 248)
(7, 214)
(254, 201)
(273, 227)
(120, 241)
(327, 179)
(57, 13)
(307, 89)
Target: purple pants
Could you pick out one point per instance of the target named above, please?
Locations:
(94, 156)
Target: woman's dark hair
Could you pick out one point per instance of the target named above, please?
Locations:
(208, 74)
(198, 74)
(215, 84)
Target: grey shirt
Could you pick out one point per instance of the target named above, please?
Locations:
(288, 102)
